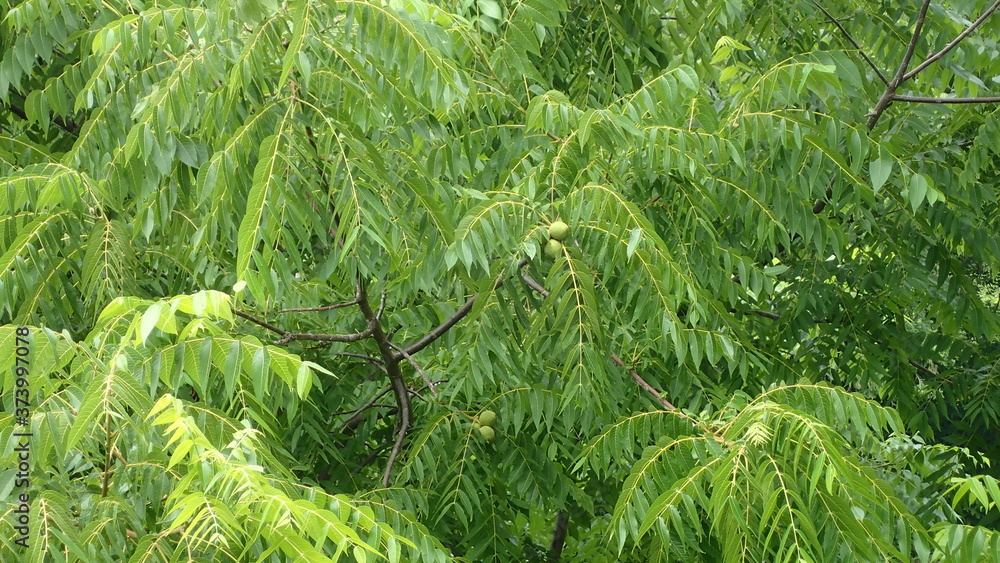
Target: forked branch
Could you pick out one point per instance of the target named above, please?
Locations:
(902, 75)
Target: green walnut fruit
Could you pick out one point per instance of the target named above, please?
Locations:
(559, 231)
(487, 418)
(553, 249)
(488, 433)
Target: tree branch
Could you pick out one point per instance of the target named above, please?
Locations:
(365, 357)
(335, 226)
(287, 336)
(451, 321)
(559, 535)
(765, 314)
(642, 383)
(853, 42)
(922, 368)
(932, 100)
(396, 380)
(442, 328)
(355, 419)
(367, 333)
(371, 457)
(68, 126)
(381, 309)
(257, 321)
(416, 366)
(533, 284)
(323, 308)
(890, 88)
(965, 33)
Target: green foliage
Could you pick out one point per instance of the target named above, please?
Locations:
(276, 257)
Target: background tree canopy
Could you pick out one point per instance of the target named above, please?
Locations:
(275, 259)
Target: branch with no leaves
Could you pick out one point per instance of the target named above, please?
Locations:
(323, 308)
(287, 336)
(642, 383)
(356, 413)
(533, 284)
(932, 100)
(459, 314)
(290, 336)
(438, 331)
(765, 314)
(847, 35)
(370, 359)
(416, 366)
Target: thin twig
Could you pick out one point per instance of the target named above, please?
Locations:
(353, 421)
(366, 407)
(371, 457)
(965, 33)
(287, 337)
(323, 308)
(438, 382)
(853, 42)
(932, 100)
(416, 393)
(416, 366)
(257, 321)
(775, 316)
(642, 383)
(365, 357)
(533, 284)
(381, 307)
(922, 368)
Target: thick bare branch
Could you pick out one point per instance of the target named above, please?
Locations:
(442, 328)
(451, 321)
(290, 336)
(287, 336)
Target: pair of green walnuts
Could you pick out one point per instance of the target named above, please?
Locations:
(558, 232)
(484, 423)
